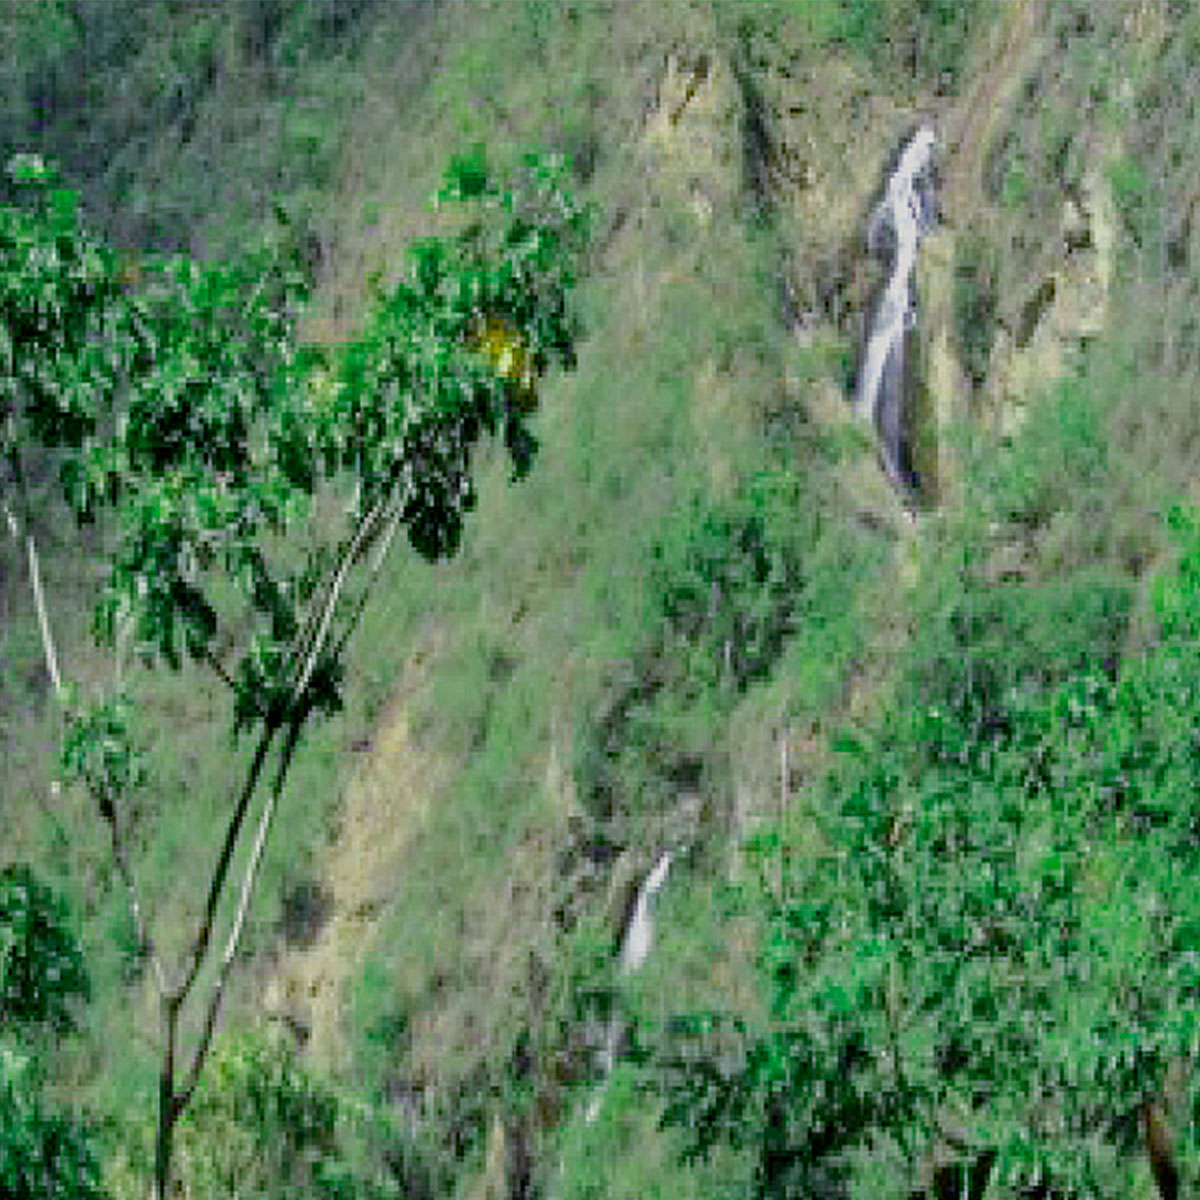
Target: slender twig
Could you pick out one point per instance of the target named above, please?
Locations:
(121, 857)
(39, 601)
(372, 572)
(220, 671)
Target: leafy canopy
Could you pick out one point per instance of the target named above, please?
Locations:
(187, 408)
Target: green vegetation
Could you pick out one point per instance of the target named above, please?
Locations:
(45, 1149)
(45, 1154)
(927, 930)
(974, 304)
(257, 1124)
(168, 90)
(992, 938)
(188, 411)
(978, 962)
(925, 40)
(41, 969)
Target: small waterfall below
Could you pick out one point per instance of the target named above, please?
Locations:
(894, 231)
(635, 949)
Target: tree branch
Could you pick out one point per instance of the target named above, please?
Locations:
(318, 628)
(121, 856)
(217, 885)
(39, 601)
(43, 620)
(373, 570)
(183, 1098)
(365, 532)
(220, 671)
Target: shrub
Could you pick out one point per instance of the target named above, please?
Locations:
(44, 1154)
(259, 1123)
(41, 967)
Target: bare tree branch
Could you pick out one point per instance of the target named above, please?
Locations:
(121, 857)
(217, 884)
(318, 627)
(219, 670)
(39, 600)
(184, 1096)
(389, 508)
(397, 511)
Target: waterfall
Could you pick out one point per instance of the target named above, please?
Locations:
(635, 946)
(635, 949)
(894, 232)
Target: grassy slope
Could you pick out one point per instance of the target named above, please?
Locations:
(476, 679)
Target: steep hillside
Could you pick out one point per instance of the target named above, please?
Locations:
(706, 599)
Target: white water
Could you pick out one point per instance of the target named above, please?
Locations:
(635, 949)
(640, 934)
(904, 213)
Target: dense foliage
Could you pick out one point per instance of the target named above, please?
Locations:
(992, 958)
(259, 1124)
(45, 1151)
(41, 967)
(44, 1154)
(183, 404)
(723, 583)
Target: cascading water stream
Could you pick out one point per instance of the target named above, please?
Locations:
(635, 949)
(894, 233)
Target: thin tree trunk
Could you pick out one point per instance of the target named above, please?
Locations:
(167, 1108)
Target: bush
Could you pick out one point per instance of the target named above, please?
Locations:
(975, 290)
(259, 1123)
(724, 583)
(993, 938)
(41, 967)
(927, 38)
(44, 1154)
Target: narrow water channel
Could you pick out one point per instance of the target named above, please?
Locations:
(635, 949)
(905, 213)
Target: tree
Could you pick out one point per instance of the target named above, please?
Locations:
(187, 409)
